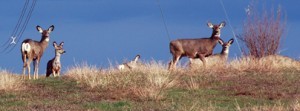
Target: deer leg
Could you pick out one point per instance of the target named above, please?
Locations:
(24, 70)
(172, 64)
(37, 69)
(58, 72)
(54, 73)
(191, 62)
(28, 67)
(34, 69)
(202, 58)
(24, 66)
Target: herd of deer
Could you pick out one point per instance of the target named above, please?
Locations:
(201, 48)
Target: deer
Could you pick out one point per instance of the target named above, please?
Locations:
(32, 50)
(54, 65)
(195, 48)
(131, 64)
(222, 56)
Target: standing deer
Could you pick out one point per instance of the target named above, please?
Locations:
(33, 51)
(195, 48)
(130, 65)
(54, 65)
(219, 57)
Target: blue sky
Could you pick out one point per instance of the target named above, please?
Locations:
(102, 31)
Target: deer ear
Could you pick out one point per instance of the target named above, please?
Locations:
(51, 28)
(54, 44)
(210, 25)
(231, 41)
(39, 28)
(61, 44)
(222, 24)
(137, 57)
(221, 41)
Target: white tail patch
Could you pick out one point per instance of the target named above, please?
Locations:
(26, 47)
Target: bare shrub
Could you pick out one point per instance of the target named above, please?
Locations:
(9, 81)
(262, 31)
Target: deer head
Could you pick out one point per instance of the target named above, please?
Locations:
(216, 28)
(45, 33)
(225, 46)
(59, 48)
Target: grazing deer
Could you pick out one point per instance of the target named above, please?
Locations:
(195, 48)
(220, 57)
(131, 64)
(54, 65)
(33, 51)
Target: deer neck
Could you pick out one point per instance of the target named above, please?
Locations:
(57, 56)
(225, 51)
(216, 34)
(44, 41)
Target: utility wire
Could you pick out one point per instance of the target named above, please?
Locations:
(230, 26)
(9, 49)
(18, 23)
(163, 18)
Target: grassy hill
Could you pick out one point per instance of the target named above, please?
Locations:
(242, 84)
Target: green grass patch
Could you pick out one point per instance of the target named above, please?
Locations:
(108, 105)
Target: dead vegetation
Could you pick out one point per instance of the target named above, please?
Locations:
(9, 81)
(241, 84)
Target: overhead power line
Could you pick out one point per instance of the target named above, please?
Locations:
(18, 23)
(20, 27)
(164, 21)
(230, 26)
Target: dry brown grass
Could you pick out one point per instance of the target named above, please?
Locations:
(9, 81)
(270, 83)
(153, 76)
(269, 78)
(270, 64)
(277, 107)
(144, 83)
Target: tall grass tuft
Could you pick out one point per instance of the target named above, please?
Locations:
(272, 63)
(148, 82)
(9, 81)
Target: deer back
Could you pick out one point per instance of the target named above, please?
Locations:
(191, 47)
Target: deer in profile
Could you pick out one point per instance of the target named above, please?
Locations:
(131, 64)
(54, 65)
(32, 50)
(195, 48)
(222, 56)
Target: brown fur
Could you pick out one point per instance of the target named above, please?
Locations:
(195, 48)
(32, 50)
(130, 65)
(54, 65)
(219, 58)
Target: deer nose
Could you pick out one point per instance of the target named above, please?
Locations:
(64, 52)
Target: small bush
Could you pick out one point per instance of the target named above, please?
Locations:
(262, 32)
